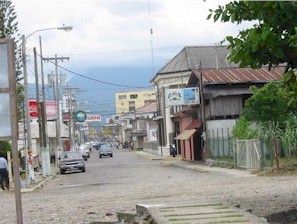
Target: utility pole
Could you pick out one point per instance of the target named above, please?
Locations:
(57, 98)
(46, 168)
(202, 111)
(37, 97)
(29, 172)
(70, 101)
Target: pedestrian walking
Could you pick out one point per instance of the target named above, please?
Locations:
(4, 173)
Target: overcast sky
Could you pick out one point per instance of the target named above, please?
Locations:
(110, 32)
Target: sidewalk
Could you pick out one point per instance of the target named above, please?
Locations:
(147, 155)
(178, 163)
(40, 180)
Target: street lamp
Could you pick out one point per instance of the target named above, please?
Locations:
(27, 113)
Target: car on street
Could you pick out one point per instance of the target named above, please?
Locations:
(105, 150)
(85, 151)
(71, 160)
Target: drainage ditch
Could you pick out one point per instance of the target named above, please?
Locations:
(286, 217)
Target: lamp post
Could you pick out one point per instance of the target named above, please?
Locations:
(27, 113)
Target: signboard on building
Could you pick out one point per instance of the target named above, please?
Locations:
(93, 118)
(152, 135)
(182, 96)
(51, 108)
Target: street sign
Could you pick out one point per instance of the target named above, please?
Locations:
(80, 116)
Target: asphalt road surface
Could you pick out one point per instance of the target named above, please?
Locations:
(118, 183)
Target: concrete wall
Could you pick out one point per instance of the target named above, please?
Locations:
(226, 125)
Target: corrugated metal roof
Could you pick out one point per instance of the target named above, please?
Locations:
(190, 56)
(240, 75)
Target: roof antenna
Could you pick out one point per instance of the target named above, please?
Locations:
(151, 36)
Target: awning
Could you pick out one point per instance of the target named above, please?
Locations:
(186, 135)
(195, 124)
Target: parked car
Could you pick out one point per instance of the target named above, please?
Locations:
(105, 150)
(71, 160)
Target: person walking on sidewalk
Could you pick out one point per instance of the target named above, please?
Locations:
(4, 173)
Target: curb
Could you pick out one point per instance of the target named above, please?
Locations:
(38, 185)
(143, 155)
(186, 167)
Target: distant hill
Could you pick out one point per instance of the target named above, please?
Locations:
(101, 97)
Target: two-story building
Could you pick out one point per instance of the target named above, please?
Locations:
(175, 74)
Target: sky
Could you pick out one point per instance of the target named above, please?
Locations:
(112, 36)
(117, 32)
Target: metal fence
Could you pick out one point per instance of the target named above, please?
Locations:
(220, 143)
(247, 154)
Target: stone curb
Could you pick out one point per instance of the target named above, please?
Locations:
(186, 167)
(39, 184)
(144, 155)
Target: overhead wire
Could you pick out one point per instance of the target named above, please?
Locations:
(97, 80)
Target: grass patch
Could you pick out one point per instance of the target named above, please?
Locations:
(288, 167)
(224, 162)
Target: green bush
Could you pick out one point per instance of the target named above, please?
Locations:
(243, 130)
(4, 147)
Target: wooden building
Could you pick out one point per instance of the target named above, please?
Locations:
(223, 93)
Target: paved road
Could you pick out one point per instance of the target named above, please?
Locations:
(111, 184)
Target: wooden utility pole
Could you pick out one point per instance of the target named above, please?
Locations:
(202, 113)
(57, 99)
(40, 121)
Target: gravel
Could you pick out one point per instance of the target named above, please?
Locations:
(113, 184)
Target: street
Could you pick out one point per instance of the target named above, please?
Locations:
(113, 184)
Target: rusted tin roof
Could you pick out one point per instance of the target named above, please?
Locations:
(240, 75)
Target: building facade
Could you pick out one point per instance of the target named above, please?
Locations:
(133, 100)
(204, 129)
(175, 74)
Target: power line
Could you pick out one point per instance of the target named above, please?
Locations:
(97, 80)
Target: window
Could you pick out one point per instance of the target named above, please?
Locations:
(131, 105)
(122, 97)
(133, 96)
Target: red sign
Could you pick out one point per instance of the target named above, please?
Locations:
(93, 117)
(51, 109)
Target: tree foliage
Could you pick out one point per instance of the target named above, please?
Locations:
(4, 147)
(243, 129)
(268, 104)
(272, 40)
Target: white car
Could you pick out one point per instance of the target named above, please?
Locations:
(84, 151)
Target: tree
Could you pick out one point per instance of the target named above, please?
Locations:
(272, 40)
(268, 107)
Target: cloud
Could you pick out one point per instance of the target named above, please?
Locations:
(131, 8)
(110, 32)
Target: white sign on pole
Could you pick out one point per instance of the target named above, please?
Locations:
(5, 126)
(182, 96)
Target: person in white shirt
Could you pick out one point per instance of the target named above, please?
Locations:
(4, 173)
